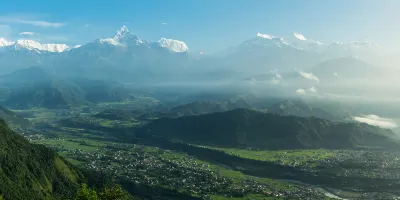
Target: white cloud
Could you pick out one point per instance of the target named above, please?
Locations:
(336, 74)
(164, 23)
(27, 33)
(17, 20)
(299, 36)
(301, 91)
(313, 89)
(376, 121)
(309, 76)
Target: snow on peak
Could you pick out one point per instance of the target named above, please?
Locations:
(277, 40)
(122, 37)
(299, 36)
(4, 42)
(33, 45)
(122, 33)
(110, 41)
(76, 46)
(54, 47)
(265, 36)
(355, 45)
(27, 44)
(173, 45)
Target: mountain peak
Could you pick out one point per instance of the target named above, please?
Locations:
(299, 36)
(173, 45)
(33, 45)
(4, 42)
(121, 33)
(266, 36)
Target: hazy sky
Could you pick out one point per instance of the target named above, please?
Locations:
(207, 25)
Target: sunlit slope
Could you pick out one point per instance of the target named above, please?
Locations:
(29, 171)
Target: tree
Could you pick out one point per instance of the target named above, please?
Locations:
(85, 193)
(112, 193)
(108, 193)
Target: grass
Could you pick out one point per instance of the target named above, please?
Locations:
(71, 160)
(107, 123)
(68, 144)
(309, 158)
(61, 166)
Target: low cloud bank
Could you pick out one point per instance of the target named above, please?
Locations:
(376, 121)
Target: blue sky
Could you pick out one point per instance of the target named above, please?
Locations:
(207, 25)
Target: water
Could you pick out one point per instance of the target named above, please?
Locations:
(320, 189)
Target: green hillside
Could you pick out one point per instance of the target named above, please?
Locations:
(13, 119)
(29, 171)
(248, 128)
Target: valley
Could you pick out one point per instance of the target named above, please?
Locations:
(109, 138)
(121, 117)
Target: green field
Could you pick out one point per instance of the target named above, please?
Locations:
(82, 144)
(309, 158)
(247, 197)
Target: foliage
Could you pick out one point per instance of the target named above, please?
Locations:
(112, 193)
(107, 193)
(13, 119)
(41, 173)
(85, 193)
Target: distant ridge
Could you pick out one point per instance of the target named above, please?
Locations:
(249, 128)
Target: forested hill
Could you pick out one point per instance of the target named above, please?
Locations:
(33, 172)
(249, 128)
(13, 119)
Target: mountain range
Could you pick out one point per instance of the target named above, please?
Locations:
(264, 64)
(127, 52)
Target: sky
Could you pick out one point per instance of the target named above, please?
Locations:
(205, 25)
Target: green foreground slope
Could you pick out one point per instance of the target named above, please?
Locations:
(29, 171)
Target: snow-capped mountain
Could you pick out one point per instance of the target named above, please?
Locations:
(33, 45)
(122, 37)
(352, 48)
(173, 45)
(126, 55)
(265, 40)
(4, 42)
(125, 38)
(260, 55)
(333, 50)
(300, 41)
